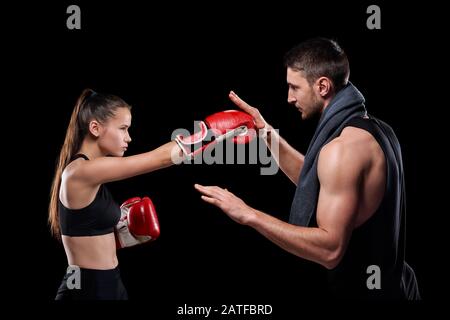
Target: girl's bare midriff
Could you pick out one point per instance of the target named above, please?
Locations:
(93, 252)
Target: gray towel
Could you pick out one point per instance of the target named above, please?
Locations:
(347, 103)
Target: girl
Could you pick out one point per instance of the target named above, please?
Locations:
(82, 212)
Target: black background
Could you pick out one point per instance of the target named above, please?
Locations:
(175, 63)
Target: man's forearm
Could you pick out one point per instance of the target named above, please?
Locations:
(308, 243)
(289, 160)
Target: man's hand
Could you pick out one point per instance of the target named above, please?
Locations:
(233, 206)
(260, 123)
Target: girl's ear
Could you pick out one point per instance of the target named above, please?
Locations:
(94, 128)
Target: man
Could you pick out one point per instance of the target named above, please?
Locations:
(348, 210)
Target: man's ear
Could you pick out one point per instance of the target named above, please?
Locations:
(94, 128)
(324, 86)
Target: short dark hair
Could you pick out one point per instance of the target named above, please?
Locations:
(320, 57)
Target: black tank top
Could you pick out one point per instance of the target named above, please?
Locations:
(380, 241)
(97, 218)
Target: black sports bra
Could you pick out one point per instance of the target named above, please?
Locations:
(97, 218)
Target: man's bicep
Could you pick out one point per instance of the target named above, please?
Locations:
(336, 211)
(339, 193)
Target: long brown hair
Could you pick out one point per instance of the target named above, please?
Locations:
(89, 106)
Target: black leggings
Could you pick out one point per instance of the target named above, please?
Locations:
(89, 284)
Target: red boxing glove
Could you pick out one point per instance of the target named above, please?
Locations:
(138, 223)
(224, 125)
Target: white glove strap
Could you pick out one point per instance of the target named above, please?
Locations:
(126, 239)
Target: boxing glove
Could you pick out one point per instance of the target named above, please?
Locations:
(224, 125)
(138, 223)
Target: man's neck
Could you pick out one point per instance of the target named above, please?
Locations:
(327, 102)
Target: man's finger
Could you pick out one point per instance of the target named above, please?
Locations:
(210, 200)
(205, 190)
(210, 191)
(241, 103)
(249, 109)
